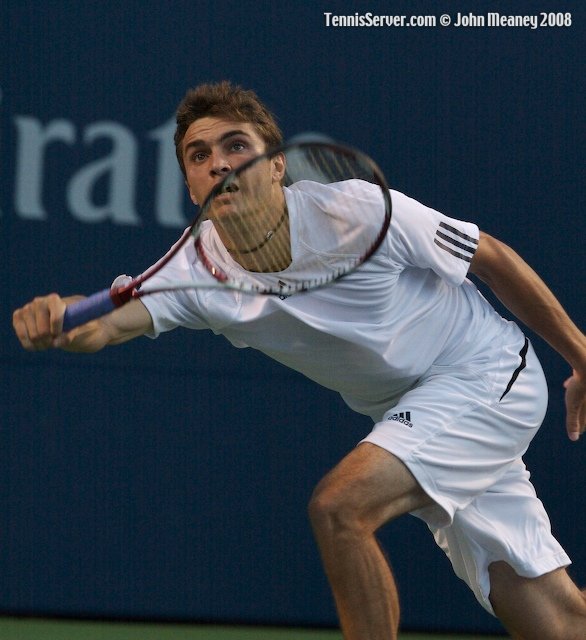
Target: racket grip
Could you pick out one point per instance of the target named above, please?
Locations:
(90, 308)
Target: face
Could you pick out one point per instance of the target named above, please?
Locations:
(213, 147)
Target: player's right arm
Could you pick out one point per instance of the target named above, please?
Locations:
(38, 326)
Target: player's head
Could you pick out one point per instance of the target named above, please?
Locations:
(229, 102)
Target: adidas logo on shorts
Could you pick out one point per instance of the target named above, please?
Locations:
(403, 418)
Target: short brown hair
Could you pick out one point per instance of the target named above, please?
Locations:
(228, 101)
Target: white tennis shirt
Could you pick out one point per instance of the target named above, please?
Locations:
(370, 335)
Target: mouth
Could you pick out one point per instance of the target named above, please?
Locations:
(220, 192)
(226, 195)
(223, 198)
(230, 186)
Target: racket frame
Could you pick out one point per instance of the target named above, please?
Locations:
(107, 300)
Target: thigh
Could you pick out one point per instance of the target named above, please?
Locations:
(548, 606)
(372, 486)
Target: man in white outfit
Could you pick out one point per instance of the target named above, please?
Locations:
(456, 392)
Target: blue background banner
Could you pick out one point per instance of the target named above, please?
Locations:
(170, 479)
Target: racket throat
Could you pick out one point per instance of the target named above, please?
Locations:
(122, 295)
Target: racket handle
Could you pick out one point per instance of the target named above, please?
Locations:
(90, 308)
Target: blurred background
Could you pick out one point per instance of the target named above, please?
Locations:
(168, 480)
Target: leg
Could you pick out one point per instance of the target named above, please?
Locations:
(367, 489)
(550, 607)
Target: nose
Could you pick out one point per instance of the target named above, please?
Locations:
(220, 165)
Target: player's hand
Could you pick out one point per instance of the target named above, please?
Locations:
(38, 324)
(575, 405)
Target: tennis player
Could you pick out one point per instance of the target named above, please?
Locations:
(456, 392)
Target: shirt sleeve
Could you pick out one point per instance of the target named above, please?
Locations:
(425, 238)
(172, 309)
(180, 308)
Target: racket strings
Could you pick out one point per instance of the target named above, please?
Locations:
(271, 253)
(337, 233)
(266, 238)
(331, 166)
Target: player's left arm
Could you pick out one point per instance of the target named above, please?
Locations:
(525, 294)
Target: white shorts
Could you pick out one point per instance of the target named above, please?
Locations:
(462, 432)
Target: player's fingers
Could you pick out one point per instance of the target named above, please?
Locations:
(39, 322)
(56, 309)
(573, 425)
(36, 321)
(19, 325)
(575, 407)
(581, 420)
(573, 429)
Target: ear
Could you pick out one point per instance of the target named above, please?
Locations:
(279, 166)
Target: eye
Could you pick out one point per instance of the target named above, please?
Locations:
(237, 145)
(198, 156)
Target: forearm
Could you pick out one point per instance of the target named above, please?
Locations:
(87, 338)
(525, 294)
(119, 326)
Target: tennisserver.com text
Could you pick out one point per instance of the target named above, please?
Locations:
(457, 20)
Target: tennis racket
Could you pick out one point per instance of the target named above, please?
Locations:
(296, 218)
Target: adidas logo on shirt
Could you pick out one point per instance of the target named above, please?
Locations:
(455, 242)
(403, 418)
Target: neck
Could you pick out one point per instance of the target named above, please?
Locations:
(272, 254)
(268, 236)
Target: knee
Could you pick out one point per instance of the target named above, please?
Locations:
(332, 513)
(364, 491)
